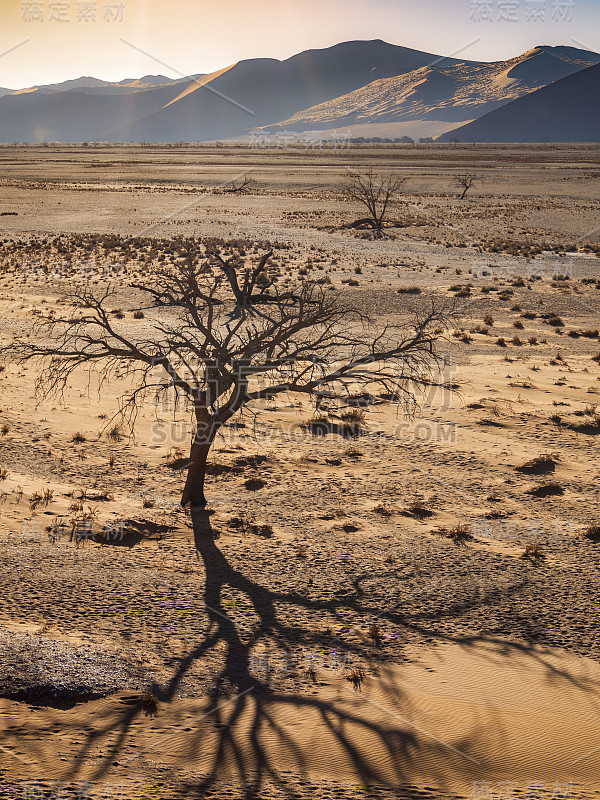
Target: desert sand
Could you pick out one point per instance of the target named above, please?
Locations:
(409, 613)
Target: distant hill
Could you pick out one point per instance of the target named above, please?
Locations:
(371, 85)
(136, 85)
(455, 92)
(76, 115)
(89, 85)
(147, 80)
(565, 111)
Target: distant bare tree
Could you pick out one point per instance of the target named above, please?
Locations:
(223, 338)
(241, 187)
(374, 192)
(465, 181)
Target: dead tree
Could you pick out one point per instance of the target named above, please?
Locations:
(212, 346)
(375, 193)
(239, 188)
(465, 181)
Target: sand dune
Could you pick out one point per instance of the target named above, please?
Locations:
(350, 84)
(204, 80)
(445, 91)
(454, 718)
(260, 91)
(560, 112)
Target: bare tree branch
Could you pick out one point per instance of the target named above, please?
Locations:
(209, 347)
(375, 193)
(466, 182)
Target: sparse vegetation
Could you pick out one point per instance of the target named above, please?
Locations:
(374, 633)
(376, 193)
(115, 433)
(541, 465)
(149, 702)
(465, 182)
(534, 552)
(356, 677)
(246, 523)
(409, 290)
(383, 510)
(460, 534)
(547, 490)
(592, 532)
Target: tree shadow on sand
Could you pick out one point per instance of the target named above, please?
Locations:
(245, 713)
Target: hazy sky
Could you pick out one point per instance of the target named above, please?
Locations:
(54, 41)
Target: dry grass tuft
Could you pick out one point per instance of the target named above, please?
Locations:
(542, 465)
(374, 633)
(460, 534)
(534, 552)
(35, 500)
(548, 490)
(383, 510)
(353, 452)
(115, 434)
(149, 702)
(409, 290)
(592, 533)
(356, 677)
(311, 673)
(254, 484)
(418, 511)
(246, 523)
(356, 416)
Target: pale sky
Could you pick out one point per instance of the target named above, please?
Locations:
(47, 41)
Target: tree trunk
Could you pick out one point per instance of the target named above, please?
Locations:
(193, 492)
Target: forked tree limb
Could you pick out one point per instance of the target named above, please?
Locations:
(310, 342)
